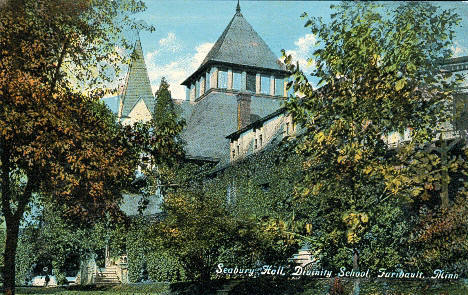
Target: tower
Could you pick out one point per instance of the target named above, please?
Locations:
(240, 68)
(137, 101)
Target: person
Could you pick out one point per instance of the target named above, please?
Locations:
(47, 280)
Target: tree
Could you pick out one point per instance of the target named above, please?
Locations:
(200, 231)
(379, 71)
(165, 112)
(54, 139)
(162, 146)
(50, 240)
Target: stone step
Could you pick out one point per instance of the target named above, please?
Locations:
(107, 276)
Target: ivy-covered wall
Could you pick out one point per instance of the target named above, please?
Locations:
(260, 184)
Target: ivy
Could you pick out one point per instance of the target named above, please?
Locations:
(147, 259)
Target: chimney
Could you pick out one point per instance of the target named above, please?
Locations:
(243, 109)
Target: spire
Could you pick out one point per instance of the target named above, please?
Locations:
(238, 11)
(137, 86)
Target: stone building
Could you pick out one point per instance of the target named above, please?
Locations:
(239, 81)
(233, 109)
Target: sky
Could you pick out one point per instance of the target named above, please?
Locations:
(186, 30)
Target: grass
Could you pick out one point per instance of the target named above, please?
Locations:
(262, 287)
(133, 289)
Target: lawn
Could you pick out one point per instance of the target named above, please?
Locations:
(134, 289)
(262, 287)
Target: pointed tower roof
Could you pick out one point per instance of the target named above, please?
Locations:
(239, 44)
(137, 86)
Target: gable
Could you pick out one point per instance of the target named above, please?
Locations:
(139, 112)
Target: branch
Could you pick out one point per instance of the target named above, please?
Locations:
(59, 65)
(430, 148)
(25, 197)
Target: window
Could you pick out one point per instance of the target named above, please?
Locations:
(231, 194)
(202, 85)
(192, 92)
(260, 139)
(251, 82)
(208, 80)
(233, 153)
(265, 186)
(265, 85)
(236, 80)
(279, 85)
(287, 128)
(256, 144)
(197, 89)
(238, 149)
(222, 79)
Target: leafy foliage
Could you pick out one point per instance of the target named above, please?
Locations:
(195, 228)
(54, 140)
(147, 257)
(161, 144)
(379, 68)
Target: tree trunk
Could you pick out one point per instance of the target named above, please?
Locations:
(444, 194)
(356, 288)
(12, 225)
(12, 220)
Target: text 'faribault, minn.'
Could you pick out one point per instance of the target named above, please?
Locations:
(297, 271)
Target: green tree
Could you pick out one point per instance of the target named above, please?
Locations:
(232, 217)
(163, 170)
(53, 139)
(165, 111)
(379, 68)
(162, 146)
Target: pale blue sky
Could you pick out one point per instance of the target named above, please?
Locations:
(186, 30)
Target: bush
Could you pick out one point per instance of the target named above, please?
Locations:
(164, 267)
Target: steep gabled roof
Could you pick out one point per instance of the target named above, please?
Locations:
(239, 44)
(137, 85)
